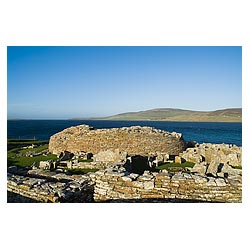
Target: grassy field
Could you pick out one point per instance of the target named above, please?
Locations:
(15, 149)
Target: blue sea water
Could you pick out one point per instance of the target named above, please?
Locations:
(213, 132)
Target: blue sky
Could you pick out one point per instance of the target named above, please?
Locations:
(67, 82)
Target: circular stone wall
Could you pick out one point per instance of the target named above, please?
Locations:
(134, 140)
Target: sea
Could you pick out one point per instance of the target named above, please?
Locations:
(201, 132)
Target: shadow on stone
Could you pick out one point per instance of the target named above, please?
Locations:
(17, 198)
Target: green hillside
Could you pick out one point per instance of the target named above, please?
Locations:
(169, 114)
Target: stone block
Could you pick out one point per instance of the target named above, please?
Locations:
(178, 159)
(125, 190)
(152, 196)
(213, 167)
(148, 185)
(135, 184)
(220, 182)
(126, 178)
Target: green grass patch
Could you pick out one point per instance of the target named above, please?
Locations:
(37, 149)
(28, 161)
(237, 167)
(88, 160)
(171, 166)
(140, 166)
(81, 170)
(23, 161)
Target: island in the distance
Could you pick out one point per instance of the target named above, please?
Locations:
(171, 114)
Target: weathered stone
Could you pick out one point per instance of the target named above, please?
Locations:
(200, 179)
(178, 159)
(211, 181)
(199, 168)
(44, 165)
(208, 152)
(133, 176)
(220, 182)
(226, 169)
(126, 178)
(133, 140)
(114, 156)
(148, 185)
(212, 168)
(106, 185)
(145, 178)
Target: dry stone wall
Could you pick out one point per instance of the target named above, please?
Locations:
(134, 140)
(116, 184)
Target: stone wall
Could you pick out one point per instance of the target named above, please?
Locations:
(46, 186)
(116, 184)
(133, 140)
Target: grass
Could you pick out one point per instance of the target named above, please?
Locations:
(172, 166)
(24, 161)
(37, 149)
(237, 167)
(140, 167)
(28, 161)
(81, 170)
(88, 160)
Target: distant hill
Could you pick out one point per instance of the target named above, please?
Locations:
(170, 114)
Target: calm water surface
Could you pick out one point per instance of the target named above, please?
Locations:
(213, 132)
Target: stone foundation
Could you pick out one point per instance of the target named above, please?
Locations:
(112, 184)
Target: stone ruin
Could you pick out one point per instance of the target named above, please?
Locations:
(214, 178)
(117, 145)
(133, 140)
(217, 160)
(116, 184)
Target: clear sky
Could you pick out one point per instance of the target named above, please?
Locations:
(68, 82)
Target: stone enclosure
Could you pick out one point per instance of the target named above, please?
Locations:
(134, 140)
(215, 177)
